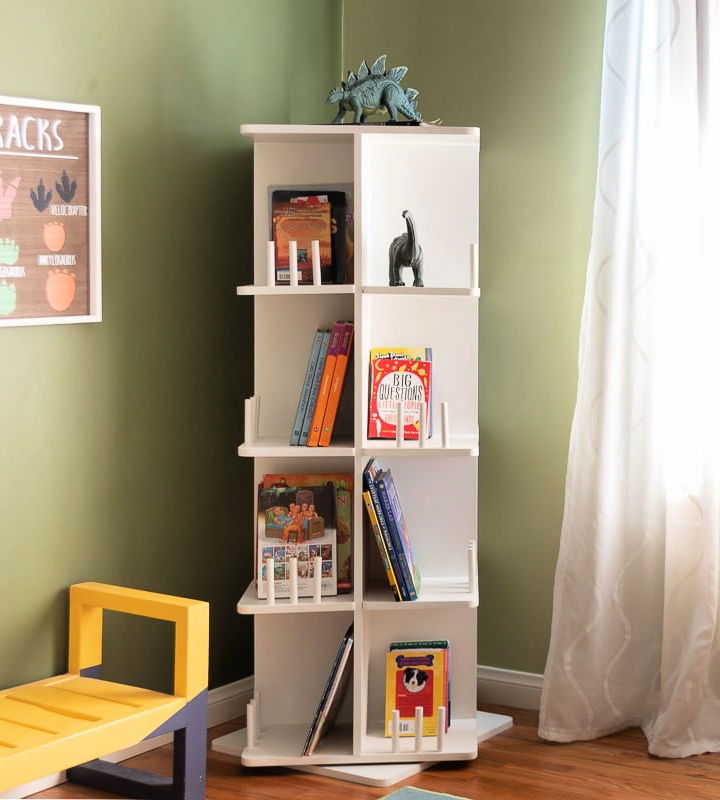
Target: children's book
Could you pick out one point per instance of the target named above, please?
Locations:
(393, 513)
(382, 548)
(403, 575)
(332, 694)
(307, 385)
(338, 215)
(416, 676)
(343, 485)
(433, 644)
(315, 388)
(302, 223)
(296, 521)
(325, 382)
(336, 384)
(399, 374)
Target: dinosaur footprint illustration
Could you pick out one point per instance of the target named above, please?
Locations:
(9, 251)
(60, 289)
(7, 196)
(66, 189)
(8, 299)
(54, 235)
(41, 199)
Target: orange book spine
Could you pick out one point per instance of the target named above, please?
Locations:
(325, 382)
(336, 386)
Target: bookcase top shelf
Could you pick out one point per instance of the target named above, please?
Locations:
(349, 288)
(340, 133)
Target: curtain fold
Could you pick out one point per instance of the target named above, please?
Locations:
(635, 617)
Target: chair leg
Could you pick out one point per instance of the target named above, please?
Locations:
(190, 753)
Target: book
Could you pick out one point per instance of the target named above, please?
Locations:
(434, 644)
(296, 521)
(332, 694)
(314, 388)
(416, 676)
(342, 484)
(399, 374)
(377, 532)
(307, 384)
(402, 576)
(325, 381)
(302, 223)
(392, 511)
(336, 384)
(338, 215)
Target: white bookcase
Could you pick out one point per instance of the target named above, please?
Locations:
(433, 172)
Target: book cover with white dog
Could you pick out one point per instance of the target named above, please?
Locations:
(416, 675)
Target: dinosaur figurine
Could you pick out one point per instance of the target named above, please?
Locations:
(405, 251)
(373, 90)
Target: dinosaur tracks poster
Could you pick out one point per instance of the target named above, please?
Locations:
(49, 212)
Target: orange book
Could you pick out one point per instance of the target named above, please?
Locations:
(336, 385)
(325, 382)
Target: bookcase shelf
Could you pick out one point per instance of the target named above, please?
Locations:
(387, 170)
(250, 603)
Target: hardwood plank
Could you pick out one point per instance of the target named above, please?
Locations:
(516, 765)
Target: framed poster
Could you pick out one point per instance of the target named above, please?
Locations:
(49, 212)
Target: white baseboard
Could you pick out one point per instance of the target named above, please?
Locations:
(224, 703)
(508, 687)
(504, 687)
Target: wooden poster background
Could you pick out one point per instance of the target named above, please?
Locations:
(49, 212)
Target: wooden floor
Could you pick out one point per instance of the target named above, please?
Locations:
(515, 765)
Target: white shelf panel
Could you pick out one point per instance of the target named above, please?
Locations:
(422, 291)
(460, 744)
(339, 133)
(435, 593)
(282, 291)
(250, 603)
(277, 447)
(457, 446)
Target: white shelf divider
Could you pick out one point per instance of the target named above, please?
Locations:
(301, 290)
(278, 447)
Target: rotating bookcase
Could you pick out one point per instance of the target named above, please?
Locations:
(433, 171)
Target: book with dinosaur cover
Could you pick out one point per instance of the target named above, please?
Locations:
(296, 521)
(399, 374)
(332, 694)
(342, 483)
(417, 674)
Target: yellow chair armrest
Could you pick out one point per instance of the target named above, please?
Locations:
(191, 618)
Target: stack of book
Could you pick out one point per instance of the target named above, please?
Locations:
(391, 533)
(304, 215)
(417, 674)
(322, 387)
(332, 694)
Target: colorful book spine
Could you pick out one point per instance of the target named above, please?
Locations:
(375, 524)
(314, 387)
(337, 383)
(398, 534)
(305, 391)
(325, 381)
(407, 590)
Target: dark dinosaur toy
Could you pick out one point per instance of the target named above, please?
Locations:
(405, 251)
(374, 90)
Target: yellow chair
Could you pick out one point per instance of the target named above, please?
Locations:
(68, 720)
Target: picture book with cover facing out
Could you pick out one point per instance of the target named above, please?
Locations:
(298, 522)
(301, 223)
(399, 374)
(343, 484)
(416, 675)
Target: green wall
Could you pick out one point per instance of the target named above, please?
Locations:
(117, 440)
(527, 72)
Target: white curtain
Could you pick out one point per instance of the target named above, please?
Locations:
(635, 620)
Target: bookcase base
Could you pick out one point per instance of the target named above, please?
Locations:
(488, 725)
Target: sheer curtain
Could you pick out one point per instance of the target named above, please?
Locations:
(635, 619)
